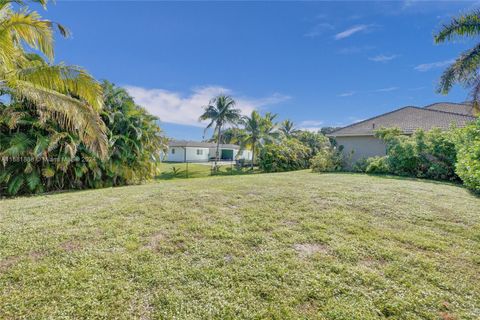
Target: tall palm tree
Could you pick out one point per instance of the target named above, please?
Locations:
(220, 111)
(67, 94)
(287, 127)
(465, 68)
(258, 131)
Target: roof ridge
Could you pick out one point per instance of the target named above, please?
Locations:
(465, 103)
(372, 118)
(441, 111)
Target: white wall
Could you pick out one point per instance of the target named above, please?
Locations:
(207, 153)
(193, 156)
(178, 156)
(363, 147)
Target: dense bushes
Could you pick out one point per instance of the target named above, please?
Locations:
(468, 155)
(327, 159)
(429, 154)
(37, 155)
(287, 155)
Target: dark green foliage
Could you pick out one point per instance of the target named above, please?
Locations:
(328, 159)
(38, 156)
(429, 154)
(287, 155)
(468, 154)
(314, 141)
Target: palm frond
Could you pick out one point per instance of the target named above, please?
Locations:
(71, 114)
(465, 25)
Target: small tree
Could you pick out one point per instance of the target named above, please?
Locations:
(220, 111)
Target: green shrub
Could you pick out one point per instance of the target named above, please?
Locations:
(287, 155)
(327, 160)
(429, 154)
(377, 165)
(468, 155)
(361, 165)
(40, 157)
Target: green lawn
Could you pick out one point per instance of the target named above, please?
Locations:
(283, 246)
(195, 170)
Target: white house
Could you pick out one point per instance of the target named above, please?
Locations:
(193, 151)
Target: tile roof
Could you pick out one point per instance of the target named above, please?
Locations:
(465, 108)
(198, 144)
(408, 119)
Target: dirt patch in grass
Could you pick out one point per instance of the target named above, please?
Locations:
(308, 249)
(8, 262)
(70, 246)
(154, 240)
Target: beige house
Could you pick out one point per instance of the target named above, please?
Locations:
(359, 141)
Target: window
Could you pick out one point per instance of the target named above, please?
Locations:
(199, 152)
(173, 151)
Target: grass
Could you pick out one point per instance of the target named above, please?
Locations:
(175, 170)
(283, 246)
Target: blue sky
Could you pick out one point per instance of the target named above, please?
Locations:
(316, 63)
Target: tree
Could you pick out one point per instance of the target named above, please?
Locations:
(66, 94)
(465, 68)
(288, 129)
(258, 131)
(37, 155)
(229, 135)
(220, 111)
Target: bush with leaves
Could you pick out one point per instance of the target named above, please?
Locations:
(328, 159)
(287, 155)
(37, 155)
(429, 154)
(468, 155)
(314, 141)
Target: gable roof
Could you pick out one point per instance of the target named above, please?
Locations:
(465, 108)
(198, 144)
(408, 119)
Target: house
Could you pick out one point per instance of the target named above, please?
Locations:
(359, 141)
(194, 151)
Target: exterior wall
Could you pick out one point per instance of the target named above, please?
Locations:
(207, 154)
(178, 156)
(362, 147)
(192, 155)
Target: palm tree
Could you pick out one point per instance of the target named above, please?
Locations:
(220, 111)
(287, 127)
(258, 131)
(67, 94)
(465, 68)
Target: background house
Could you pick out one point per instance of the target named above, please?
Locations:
(359, 141)
(194, 151)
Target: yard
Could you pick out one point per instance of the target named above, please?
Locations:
(287, 245)
(180, 170)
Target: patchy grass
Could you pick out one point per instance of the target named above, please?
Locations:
(173, 170)
(287, 245)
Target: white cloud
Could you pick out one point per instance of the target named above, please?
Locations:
(311, 125)
(355, 49)
(383, 58)
(351, 31)
(174, 107)
(318, 30)
(428, 66)
(386, 89)
(347, 94)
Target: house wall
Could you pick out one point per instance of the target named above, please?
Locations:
(178, 156)
(362, 147)
(192, 155)
(207, 154)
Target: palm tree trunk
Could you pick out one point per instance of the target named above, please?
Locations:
(253, 156)
(219, 136)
